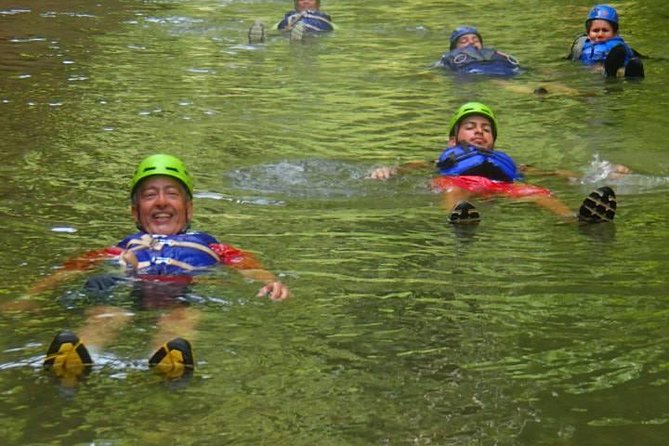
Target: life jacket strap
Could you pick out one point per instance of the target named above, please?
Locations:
(155, 244)
(293, 19)
(167, 261)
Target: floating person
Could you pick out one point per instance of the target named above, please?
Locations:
(467, 55)
(471, 166)
(602, 48)
(160, 260)
(305, 19)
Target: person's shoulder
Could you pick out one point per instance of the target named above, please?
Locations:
(323, 14)
(233, 256)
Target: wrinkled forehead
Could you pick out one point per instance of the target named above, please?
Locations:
(160, 182)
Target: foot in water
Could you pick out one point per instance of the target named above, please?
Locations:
(634, 68)
(464, 213)
(540, 91)
(256, 33)
(599, 206)
(68, 359)
(297, 32)
(174, 359)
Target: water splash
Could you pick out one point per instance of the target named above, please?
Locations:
(306, 179)
(601, 171)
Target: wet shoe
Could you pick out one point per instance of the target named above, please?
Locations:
(297, 32)
(614, 61)
(599, 206)
(464, 213)
(68, 358)
(540, 91)
(634, 68)
(174, 359)
(256, 33)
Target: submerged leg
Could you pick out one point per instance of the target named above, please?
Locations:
(103, 323)
(552, 204)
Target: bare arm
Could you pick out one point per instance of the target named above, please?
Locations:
(273, 288)
(249, 267)
(70, 269)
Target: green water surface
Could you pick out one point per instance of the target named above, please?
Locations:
(525, 330)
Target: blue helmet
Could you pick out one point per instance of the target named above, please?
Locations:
(603, 12)
(463, 31)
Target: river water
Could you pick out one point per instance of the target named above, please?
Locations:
(401, 330)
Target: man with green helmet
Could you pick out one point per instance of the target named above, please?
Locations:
(160, 261)
(471, 166)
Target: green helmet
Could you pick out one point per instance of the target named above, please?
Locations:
(472, 108)
(161, 164)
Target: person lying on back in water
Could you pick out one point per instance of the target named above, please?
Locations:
(159, 261)
(471, 166)
(467, 55)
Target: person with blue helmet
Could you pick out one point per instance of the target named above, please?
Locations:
(158, 263)
(603, 48)
(471, 166)
(467, 55)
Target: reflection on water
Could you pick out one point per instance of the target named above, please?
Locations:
(402, 329)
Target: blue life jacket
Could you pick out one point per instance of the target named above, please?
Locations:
(589, 53)
(177, 254)
(470, 160)
(314, 21)
(471, 60)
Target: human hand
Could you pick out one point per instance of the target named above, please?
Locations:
(383, 173)
(274, 290)
(619, 171)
